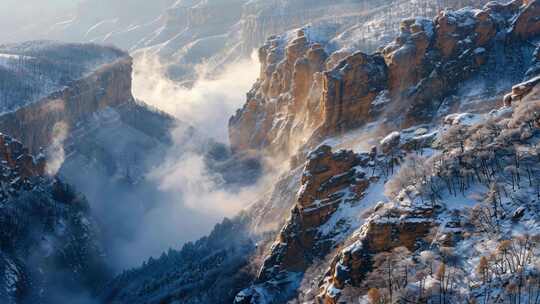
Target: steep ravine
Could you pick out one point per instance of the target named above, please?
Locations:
(411, 187)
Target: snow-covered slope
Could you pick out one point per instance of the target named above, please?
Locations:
(205, 271)
(50, 246)
(397, 148)
(33, 70)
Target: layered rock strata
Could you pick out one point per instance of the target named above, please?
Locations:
(307, 91)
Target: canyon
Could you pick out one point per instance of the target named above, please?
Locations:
(392, 147)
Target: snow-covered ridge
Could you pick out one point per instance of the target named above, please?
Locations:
(33, 70)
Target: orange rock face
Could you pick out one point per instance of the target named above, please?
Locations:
(305, 94)
(390, 230)
(282, 108)
(484, 29)
(527, 23)
(348, 91)
(329, 180)
(404, 63)
(446, 40)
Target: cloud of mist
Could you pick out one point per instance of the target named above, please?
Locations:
(200, 189)
(191, 199)
(185, 197)
(55, 153)
(208, 104)
(180, 197)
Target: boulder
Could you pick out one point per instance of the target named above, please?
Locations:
(520, 91)
(390, 142)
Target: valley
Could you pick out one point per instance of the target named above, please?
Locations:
(267, 152)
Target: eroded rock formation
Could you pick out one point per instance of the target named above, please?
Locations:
(329, 181)
(35, 124)
(305, 93)
(385, 230)
(289, 85)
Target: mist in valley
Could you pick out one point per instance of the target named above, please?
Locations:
(179, 190)
(184, 190)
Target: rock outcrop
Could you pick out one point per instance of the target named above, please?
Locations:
(15, 156)
(34, 124)
(349, 91)
(384, 231)
(305, 93)
(520, 91)
(290, 84)
(330, 181)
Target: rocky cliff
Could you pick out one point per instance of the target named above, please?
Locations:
(329, 182)
(32, 70)
(308, 90)
(434, 68)
(108, 86)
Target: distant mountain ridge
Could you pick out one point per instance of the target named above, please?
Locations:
(186, 34)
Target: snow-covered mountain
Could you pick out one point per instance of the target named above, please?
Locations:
(97, 21)
(413, 168)
(410, 131)
(214, 33)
